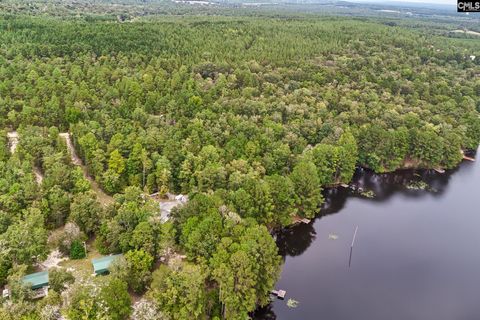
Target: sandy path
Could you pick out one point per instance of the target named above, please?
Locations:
(103, 198)
(12, 140)
(53, 260)
(38, 175)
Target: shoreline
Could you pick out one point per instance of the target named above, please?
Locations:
(298, 219)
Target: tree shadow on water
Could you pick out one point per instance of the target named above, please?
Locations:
(264, 313)
(294, 240)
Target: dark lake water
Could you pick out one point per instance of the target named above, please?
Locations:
(416, 254)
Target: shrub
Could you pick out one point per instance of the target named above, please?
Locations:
(59, 279)
(77, 250)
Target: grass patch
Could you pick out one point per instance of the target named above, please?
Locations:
(81, 268)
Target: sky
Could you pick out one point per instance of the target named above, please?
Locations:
(452, 2)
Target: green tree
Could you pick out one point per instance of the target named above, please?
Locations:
(451, 150)
(145, 238)
(326, 158)
(59, 207)
(134, 165)
(181, 294)
(245, 270)
(284, 199)
(200, 235)
(19, 291)
(83, 305)
(427, 146)
(139, 264)
(163, 173)
(59, 279)
(4, 152)
(307, 188)
(85, 211)
(116, 299)
(116, 162)
(254, 200)
(25, 241)
(348, 157)
(112, 181)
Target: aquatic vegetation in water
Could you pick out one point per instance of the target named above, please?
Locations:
(418, 185)
(292, 303)
(368, 194)
(332, 236)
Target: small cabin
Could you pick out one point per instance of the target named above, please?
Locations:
(38, 282)
(101, 265)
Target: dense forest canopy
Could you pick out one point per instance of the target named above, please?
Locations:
(251, 117)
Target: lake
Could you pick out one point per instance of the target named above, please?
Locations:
(416, 253)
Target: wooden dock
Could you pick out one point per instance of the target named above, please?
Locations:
(279, 293)
(297, 220)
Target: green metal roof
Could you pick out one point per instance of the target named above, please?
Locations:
(100, 265)
(36, 280)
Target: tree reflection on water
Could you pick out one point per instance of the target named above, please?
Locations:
(294, 241)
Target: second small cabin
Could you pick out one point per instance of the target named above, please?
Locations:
(102, 265)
